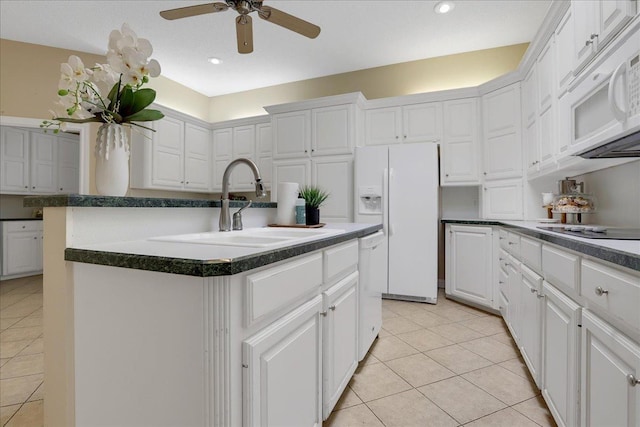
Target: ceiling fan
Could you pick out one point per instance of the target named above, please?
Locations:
(244, 31)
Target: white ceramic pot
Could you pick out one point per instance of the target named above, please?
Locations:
(112, 160)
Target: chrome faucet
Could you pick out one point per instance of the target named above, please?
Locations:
(225, 220)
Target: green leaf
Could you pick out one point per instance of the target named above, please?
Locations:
(126, 101)
(144, 116)
(113, 95)
(142, 98)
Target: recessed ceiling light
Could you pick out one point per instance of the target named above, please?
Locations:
(215, 60)
(444, 7)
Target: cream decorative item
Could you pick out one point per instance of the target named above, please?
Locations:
(82, 99)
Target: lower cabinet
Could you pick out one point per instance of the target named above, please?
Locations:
(468, 264)
(530, 309)
(610, 377)
(514, 280)
(21, 248)
(340, 339)
(282, 375)
(560, 335)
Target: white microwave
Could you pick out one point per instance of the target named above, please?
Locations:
(606, 105)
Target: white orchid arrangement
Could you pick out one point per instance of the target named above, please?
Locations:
(81, 90)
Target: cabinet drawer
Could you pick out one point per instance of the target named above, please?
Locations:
(534, 280)
(340, 260)
(560, 267)
(503, 260)
(531, 253)
(503, 237)
(614, 290)
(502, 305)
(503, 282)
(513, 244)
(275, 288)
(22, 226)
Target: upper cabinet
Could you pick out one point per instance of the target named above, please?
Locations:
(68, 165)
(292, 134)
(409, 123)
(562, 59)
(595, 24)
(460, 148)
(501, 142)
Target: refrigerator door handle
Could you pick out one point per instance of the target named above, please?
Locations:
(388, 210)
(385, 211)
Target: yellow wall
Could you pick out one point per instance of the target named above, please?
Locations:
(427, 75)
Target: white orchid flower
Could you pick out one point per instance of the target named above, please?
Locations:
(104, 73)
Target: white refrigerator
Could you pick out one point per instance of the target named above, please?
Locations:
(398, 187)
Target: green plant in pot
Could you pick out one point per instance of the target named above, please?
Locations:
(313, 197)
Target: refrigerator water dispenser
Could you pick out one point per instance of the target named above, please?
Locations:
(370, 198)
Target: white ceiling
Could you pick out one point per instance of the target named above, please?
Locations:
(356, 34)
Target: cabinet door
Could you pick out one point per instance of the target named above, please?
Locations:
(292, 134)
(14, 160)
(560, 319)
(460, 148)
(68, 165)
(563, 57)
(264, 152)
(502, 199)
(43, 167)
(22, 252)
(383, 126)
(612, 15)
(468, 264)
(530, 97)
(546, 81)
(422, 122)
(502, 145)
(282, 375)
(290, 171)
(584, 34)
(340, 339)
(197, 157)
(531, 320)
(332, 130)
(168, 153)
(530, 142)
(222, 143)
(335, 175)
(514, 317)
(546, 140)
(244, 145)
(610, 365)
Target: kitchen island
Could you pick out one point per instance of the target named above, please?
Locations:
(144, 331)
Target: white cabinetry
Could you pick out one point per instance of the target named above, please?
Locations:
(546, 106)
(44, 157)
(610, 375)
(468, 264)
(596, 22)
(264, 152)
(68, 165)
(502, 145)
(292, 134)
(21, 248)
(409, 123)
(563, 58)
(530, 311)
(460, 148)
(502, 199)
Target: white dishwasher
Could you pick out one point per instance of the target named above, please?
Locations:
(372, 265)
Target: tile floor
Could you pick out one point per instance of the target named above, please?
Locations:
(433, 365)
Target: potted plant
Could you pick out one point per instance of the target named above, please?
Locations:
(314, 197)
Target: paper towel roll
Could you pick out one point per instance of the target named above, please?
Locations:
(287, 195)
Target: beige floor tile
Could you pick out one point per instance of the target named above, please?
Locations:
(20, 334)
(21, 366)
(7, 412)
(454, 314)
(3, 361)
(491, 349)
(398, 325)
(504, 418)
(30, 415)
(388, 314)
(18, 311)
(502, 384)
(38, 394)
(359, 415)
(536, 410)
(409, 409)
(37, 346)
(460, 399)
(487, 325)
(376, 381)
(17, 390)
(427, 319)
(10, 299)
(12, 348)
(404, 307)
(387, 348)
(458, 359)
(504, 338)
(517, 366)
(456, 332)
(348, 399)
(419, 369)
(5, 323)
(29, 321)
(384, 333)
(424, 340)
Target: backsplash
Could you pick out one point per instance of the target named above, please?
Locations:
(11, 207)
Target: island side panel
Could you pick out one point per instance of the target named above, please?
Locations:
(139, 347)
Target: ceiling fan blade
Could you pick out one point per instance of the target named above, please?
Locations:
(201, 9)
(244, 32)
(289, 22)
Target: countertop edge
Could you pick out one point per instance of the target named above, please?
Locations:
(208, 268)
(621, 258)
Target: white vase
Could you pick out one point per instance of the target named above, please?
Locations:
(112, 160)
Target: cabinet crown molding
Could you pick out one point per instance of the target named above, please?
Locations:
(326, 101)
(254, 120)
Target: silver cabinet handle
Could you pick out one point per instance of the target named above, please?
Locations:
(540, 295)
(501, 282)
(510, 243)
(599, 291)
(323, 313)
(506, 264)
(332, 308)
(533, 291)
(633, 381)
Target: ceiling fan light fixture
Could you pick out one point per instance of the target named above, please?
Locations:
(444, 7)
(214, 60)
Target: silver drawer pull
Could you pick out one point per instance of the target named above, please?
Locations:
(633, 381)
(599, 291)
(323, 313)
(510, 243)
(332, 308)
(540, 295)
(533, 291)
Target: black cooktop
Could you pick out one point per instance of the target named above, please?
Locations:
(609, 233)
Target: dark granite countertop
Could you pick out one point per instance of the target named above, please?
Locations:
(605, 250)
(213, 267)
(21, 219)
(90, 201)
